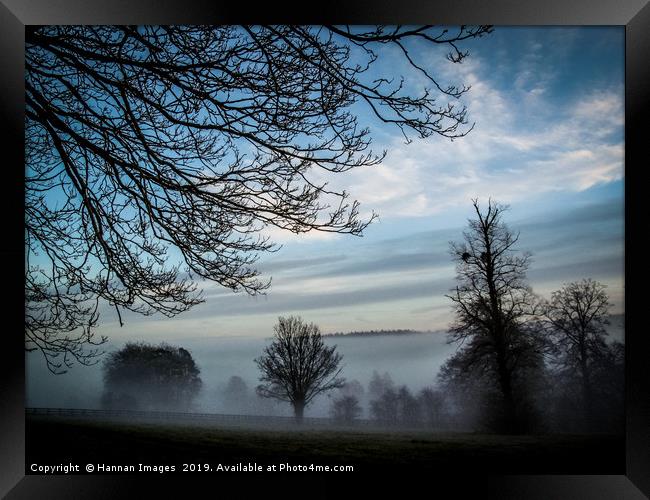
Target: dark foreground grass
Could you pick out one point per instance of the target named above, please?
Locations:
(60, 441)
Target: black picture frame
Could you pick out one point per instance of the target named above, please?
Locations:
(15, 14)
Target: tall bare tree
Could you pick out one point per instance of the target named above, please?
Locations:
(577, 315)
(154, 147)
(298, 366)
(493, 302)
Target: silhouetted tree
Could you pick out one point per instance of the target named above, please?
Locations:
(346, 404)
(386, 407)
(236, 394)
(473, 394)
(298, 366)
(151, 377)
(384, 401)
(609, 384)
(576, 317)
(345, 408)
(493, 303)
(408, 406)
(432, 406)
(143, 139)
(379, 384)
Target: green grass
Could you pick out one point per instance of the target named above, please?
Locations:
(56, 440)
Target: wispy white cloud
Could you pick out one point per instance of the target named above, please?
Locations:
(282, 236)
(513, 153)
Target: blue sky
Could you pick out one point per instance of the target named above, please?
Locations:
(548, 104)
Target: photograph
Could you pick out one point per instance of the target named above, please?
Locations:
(324, 248)
(259, 250)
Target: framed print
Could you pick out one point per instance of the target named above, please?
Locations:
(186, 193)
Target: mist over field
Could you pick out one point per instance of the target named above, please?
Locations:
(412, 360)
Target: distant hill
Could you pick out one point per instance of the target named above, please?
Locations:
(376, 333)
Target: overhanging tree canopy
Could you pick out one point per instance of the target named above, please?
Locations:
(151, 146)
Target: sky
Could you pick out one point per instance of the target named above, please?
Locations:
(548, 140)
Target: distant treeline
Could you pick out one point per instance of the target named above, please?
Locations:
(372, 333)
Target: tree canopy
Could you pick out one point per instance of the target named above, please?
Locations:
(298, 366)
(576, 317)
(151, 377)
(158, 155)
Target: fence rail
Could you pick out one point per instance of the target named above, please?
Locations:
(215, 418)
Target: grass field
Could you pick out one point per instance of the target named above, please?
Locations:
(54, 440)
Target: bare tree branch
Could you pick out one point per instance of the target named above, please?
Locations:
(298, 366)
(157, 155)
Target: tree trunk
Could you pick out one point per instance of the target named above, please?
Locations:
(586, 385)
(505, 383)
(298, 411)
(499, 337)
